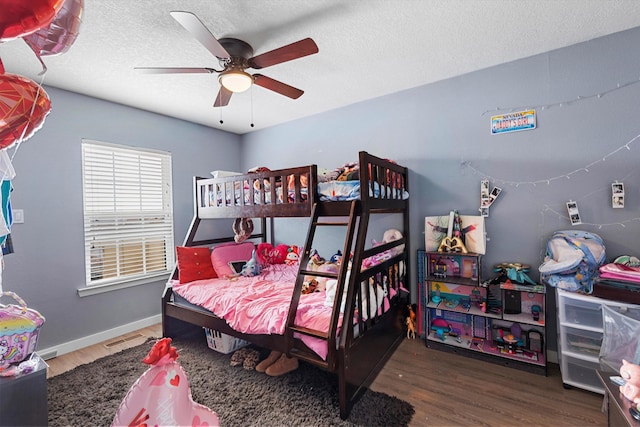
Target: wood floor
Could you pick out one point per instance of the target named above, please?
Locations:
(445, 389)
(69, 361)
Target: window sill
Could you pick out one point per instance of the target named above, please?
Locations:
(100, 289)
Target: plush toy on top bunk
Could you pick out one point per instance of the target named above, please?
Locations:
(291, 183)
(348, 172)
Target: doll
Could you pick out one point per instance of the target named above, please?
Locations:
(631, 374)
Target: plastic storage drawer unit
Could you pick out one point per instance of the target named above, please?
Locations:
(581, 313)
(582, 342)
(581, 373)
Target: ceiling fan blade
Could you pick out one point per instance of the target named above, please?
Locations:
(276, 86)
(194, 25)
(173, 70)
(286, 53)
(223, 98)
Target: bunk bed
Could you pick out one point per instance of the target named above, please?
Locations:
(356, 353)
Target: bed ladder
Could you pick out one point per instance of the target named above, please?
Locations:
(320, 212)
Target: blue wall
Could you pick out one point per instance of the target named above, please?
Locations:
(442, 133)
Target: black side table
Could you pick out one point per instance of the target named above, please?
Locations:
(23, 399)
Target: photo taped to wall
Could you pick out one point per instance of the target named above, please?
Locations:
(574, 214)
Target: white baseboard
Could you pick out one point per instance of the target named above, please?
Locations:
(68, 347)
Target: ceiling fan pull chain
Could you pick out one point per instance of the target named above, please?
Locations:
(251, 106)
(221, 121)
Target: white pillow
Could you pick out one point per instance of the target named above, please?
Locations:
(222, 174)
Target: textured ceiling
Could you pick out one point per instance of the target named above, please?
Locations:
(368, 48)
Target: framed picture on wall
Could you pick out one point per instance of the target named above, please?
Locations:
(472, 229)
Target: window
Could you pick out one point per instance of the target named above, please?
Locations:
(128, 214)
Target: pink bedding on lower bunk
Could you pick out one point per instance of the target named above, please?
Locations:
(260, 304)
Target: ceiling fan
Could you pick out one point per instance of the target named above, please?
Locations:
(235, 57)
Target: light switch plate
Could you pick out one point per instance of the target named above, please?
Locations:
(18, 216)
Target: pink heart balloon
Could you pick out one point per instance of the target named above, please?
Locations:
(61, 33)
(167, 403)
(162, 396)
(23, 107)
(21, 17)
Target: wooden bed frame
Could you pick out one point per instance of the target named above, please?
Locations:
(355, 354)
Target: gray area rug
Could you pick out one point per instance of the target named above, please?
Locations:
(90, 394)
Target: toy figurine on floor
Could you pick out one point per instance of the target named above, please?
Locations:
(411, 323)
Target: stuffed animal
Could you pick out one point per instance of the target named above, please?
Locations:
(309, 286)
(293, 255)
(389, 236)
(291, 183)
(242, 228)
(336, 258)
(348, 172)
(267, 254)
(315, 258)
(631, 374)
(317, 263)
(326, 175)
(252, 267)
(257, 185)
(392, 235)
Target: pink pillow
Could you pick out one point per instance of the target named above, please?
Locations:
(194, 263)
(223, 257)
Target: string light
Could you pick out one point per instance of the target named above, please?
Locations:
(467, 164)
(561, 103)
(561, 216)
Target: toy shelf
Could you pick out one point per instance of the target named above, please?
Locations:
(498, 322)
(525, 318)
(485, 350)
(532, 357)
(460, 309)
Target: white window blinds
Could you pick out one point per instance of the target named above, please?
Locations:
(128, 213)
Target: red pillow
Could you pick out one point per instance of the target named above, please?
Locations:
(194, 263)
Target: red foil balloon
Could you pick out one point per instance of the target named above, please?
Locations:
(61, 33)
(23, 107)
(21, 17)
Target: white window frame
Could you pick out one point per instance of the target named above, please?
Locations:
(128, 216)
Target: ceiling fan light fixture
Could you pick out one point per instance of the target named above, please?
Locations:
(236, 80)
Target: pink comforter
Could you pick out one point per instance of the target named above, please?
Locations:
(260, 304)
